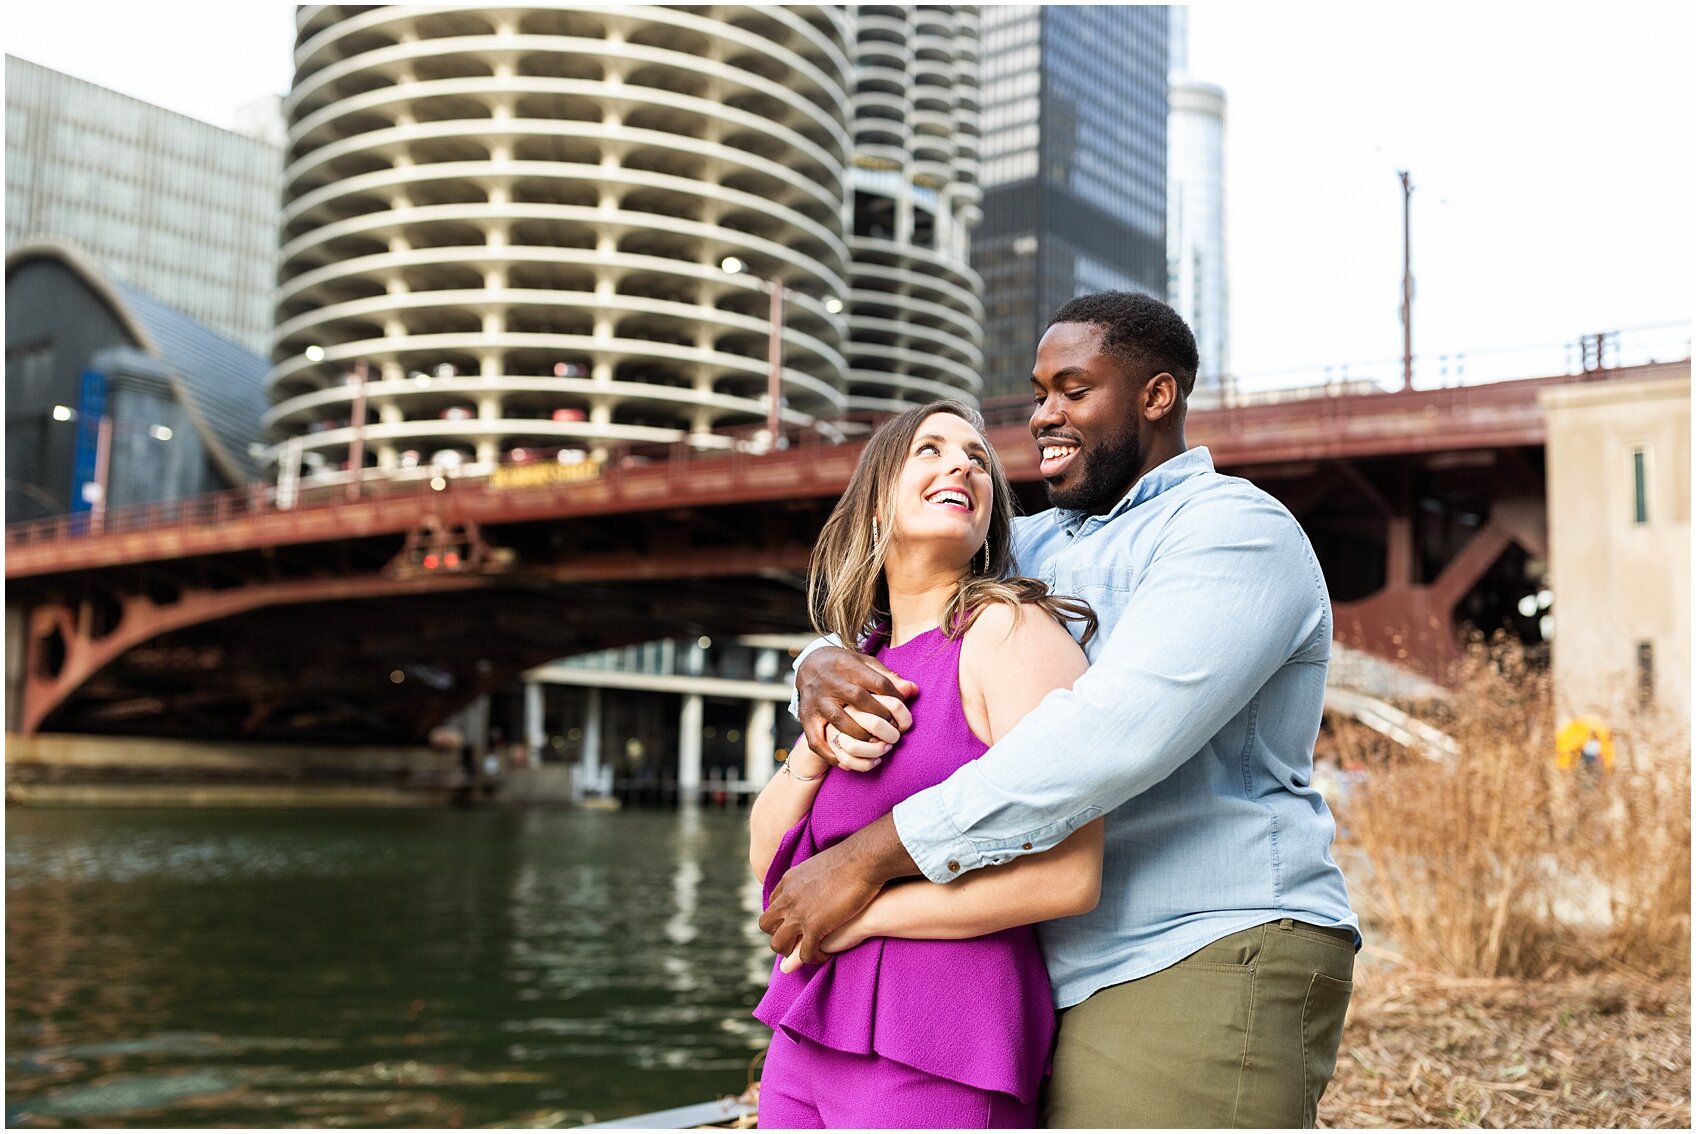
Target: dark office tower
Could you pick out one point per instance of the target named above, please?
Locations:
(1074, 167)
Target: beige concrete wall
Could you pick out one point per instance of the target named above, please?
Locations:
(1616, 582)
(271, 761)
(62, 769)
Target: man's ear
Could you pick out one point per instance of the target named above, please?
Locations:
(1159, 397)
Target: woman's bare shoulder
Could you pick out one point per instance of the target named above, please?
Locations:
(1011, 658)
(1024, 627)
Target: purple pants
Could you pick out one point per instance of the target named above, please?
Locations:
(807, 1086)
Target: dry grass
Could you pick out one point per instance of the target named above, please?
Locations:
(1528, 928)
(1500, 864)
(1604, 1050)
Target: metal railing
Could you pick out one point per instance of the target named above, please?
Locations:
(632, 471)
(626, 472)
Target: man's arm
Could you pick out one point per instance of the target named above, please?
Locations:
(1062, 882)
(816, 896)
(1010, 658)
(1232, 594)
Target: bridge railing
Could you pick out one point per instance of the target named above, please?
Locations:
(630, 469)
(676, 464)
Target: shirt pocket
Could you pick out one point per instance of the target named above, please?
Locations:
(1104, 587)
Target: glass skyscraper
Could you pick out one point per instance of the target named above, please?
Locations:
(1074, 168)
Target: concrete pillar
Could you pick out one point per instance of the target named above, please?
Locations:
(535, 731)
(758, 764)
(761, 736)
(689, 749)
(476, 725)
(591, 778)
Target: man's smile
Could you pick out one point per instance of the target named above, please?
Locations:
(1057, 453)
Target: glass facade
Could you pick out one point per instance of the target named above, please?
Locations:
(1074, 168)
(182, 209)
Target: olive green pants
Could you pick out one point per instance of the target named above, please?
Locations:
(1242, 1032)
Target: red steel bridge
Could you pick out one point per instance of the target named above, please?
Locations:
(374, 619)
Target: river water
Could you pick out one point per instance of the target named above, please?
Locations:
(375, 968)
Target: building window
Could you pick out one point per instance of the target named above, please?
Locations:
(1645, 672)
(1640, 485)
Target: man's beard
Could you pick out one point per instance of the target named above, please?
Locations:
(1104, 474)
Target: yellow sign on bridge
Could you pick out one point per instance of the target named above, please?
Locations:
(544, 473)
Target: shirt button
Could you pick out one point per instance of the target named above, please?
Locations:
(954, 866)
(1027, 846)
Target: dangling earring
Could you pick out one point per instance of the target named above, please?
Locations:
(874, 533)
(986, 556)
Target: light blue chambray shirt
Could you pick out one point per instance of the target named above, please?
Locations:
(1193, 731)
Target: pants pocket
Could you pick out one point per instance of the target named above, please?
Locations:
(1322, 1018)
(1165, 1050)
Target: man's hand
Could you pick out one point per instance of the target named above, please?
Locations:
(856, 694)
(825, 892)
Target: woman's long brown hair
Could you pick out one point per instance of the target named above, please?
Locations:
(846, 592)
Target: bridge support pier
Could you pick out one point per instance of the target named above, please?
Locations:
(689, 749)
(757, 764)
(535, 727)
(761, 733)
(591, 778)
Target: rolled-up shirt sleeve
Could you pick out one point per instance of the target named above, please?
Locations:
(1231, 593)
(795, 693)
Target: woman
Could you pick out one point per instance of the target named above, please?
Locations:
(934, 1008)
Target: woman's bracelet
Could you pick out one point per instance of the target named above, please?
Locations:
(798, 777)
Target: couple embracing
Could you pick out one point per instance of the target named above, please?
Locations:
(1016, 873)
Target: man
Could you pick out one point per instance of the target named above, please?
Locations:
(1208, 987)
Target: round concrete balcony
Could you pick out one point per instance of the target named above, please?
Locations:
(915, 321)
(914, 327)
(556, 228)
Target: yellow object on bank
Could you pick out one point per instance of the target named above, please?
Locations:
(1575, 735)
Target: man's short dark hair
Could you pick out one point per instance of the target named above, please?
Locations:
(1140, 331)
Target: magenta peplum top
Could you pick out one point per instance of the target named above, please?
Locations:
(978, 1011)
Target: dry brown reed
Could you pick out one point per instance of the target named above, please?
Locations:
(1499, 864)
(1605, 1050)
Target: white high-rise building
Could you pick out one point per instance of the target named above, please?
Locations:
(1195, 201)
(914, 316)
(554, 229)
(179, 208)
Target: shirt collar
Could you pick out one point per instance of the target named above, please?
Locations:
(1167, 474)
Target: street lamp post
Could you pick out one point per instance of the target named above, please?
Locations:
(102, 473)
(774, 347)
(1407, 278)
(356, 451)
(774, 361)
(96, 490)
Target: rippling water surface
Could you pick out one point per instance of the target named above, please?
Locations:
(337, 968)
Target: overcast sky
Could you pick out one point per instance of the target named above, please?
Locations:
(1549, 146)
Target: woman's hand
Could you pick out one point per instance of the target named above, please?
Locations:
(861, 755)
(851, 932)
(860, 697)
